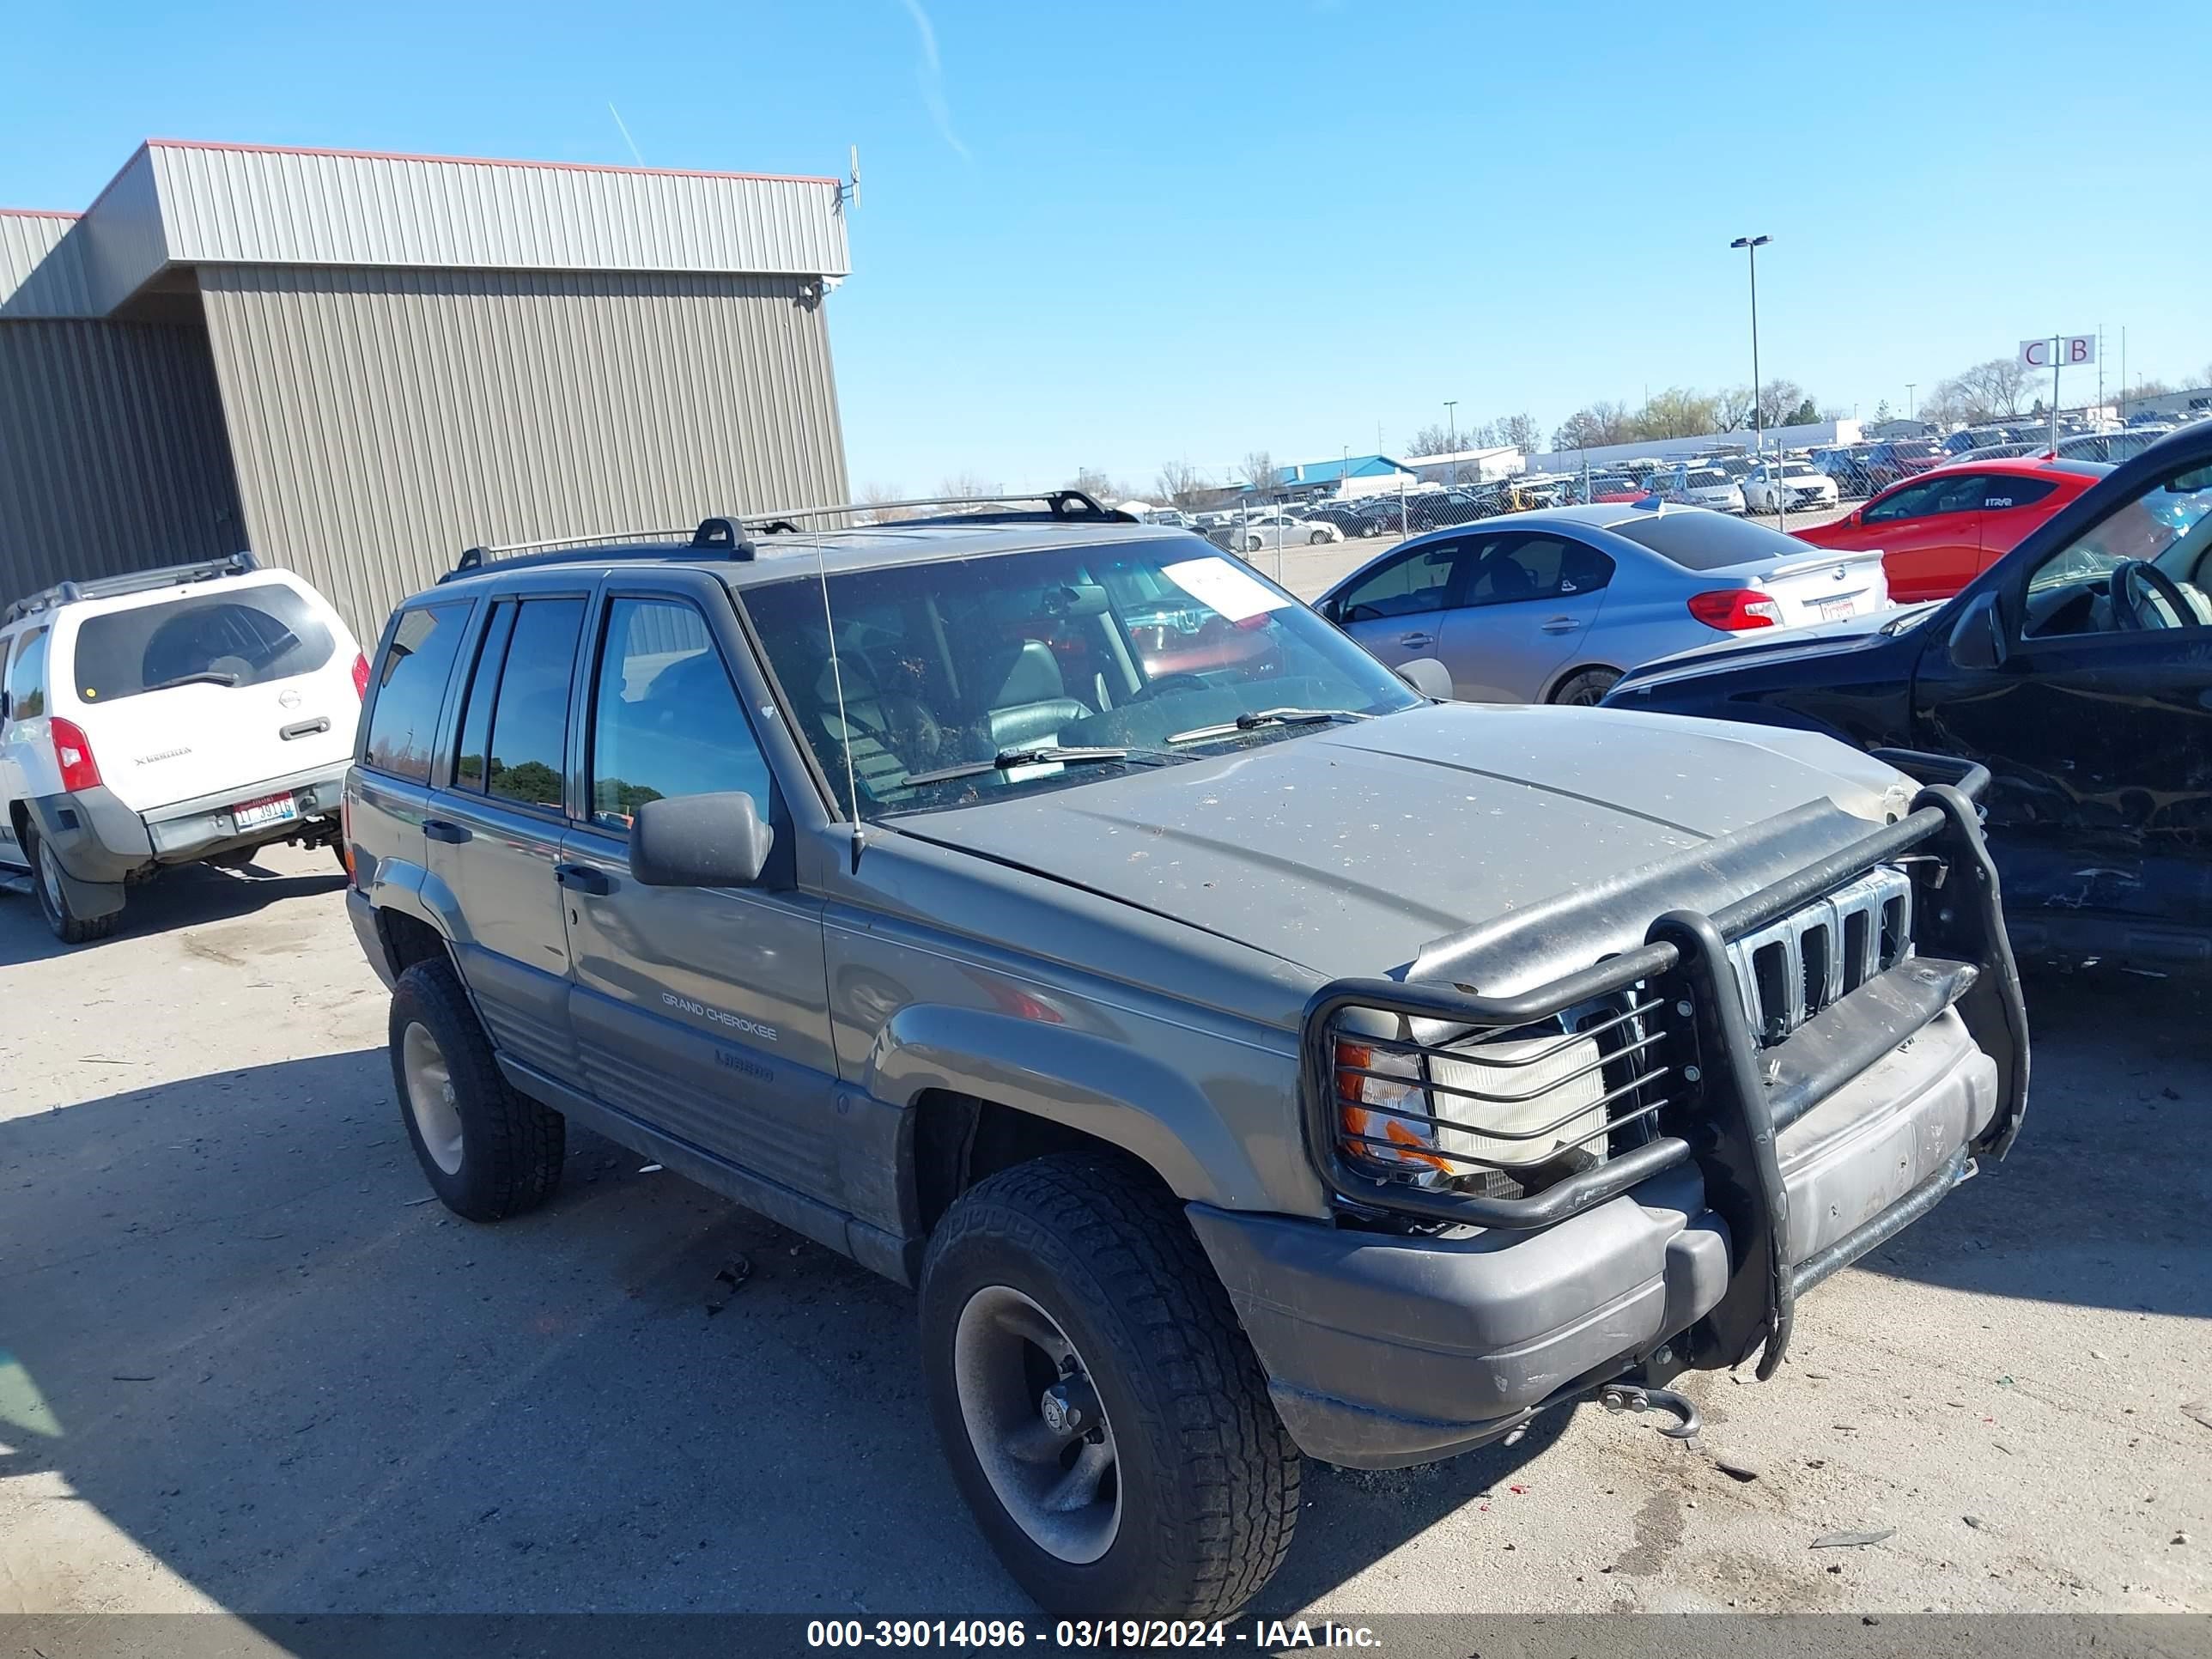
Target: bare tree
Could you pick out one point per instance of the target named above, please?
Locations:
(1101, 487)
(1434, 440)
(1779, 402)
(873, 496)
(1519, 431)
(1258, 468)
(971, 485)
(1987, 391)
(1181, 484)
(1735, 407)
(1590, 428)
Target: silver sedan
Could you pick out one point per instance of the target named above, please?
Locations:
(1555, 605)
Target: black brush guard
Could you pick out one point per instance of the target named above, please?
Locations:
(1729, 1099)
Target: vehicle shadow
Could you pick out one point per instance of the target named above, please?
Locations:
(2101, 1202)
(250, 1348)
(190, 896)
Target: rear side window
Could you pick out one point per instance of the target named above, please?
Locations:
(1709, 541)
(27, 677)
(237, 636)
(411, 688)
(528, 758)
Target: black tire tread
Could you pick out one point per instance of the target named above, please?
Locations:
(68, 928)
(1127, 1232)
(515, 1146)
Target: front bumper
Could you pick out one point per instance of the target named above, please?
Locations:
(1766, 1169)
(1384, 1350)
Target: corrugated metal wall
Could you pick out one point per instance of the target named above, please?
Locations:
(381, 421)
(112, 452)
(320, 206)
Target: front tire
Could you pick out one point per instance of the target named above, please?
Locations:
(1077, 1277)
(487, 1152)
(68, 927)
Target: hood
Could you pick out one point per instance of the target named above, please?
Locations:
(1767, 644)
(1348, 849)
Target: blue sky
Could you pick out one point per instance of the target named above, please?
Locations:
(1113, 235)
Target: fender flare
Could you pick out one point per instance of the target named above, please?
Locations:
(1088, 1082)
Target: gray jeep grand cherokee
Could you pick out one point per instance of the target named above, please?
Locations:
(1244, 1055)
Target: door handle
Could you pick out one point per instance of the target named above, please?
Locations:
(585, 878)
(1416, 639)
(1560, 625)
(440, 829)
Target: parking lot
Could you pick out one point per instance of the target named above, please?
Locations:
(255, 1369)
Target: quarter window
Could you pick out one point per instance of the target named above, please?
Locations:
(666, 720)
(27, 677)
(411, 688)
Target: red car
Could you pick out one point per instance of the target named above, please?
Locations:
(1940, 529)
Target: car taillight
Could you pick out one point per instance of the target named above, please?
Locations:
(73, 754)
(1735, 609)
(361, 676)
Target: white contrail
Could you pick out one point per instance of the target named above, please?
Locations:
(932, 75)
(624, 125)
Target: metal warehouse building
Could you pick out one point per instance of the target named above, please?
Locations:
(356, 364)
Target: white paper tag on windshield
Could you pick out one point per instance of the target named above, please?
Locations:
(1233, 591)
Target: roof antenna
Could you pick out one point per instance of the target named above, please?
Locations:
(844, 725)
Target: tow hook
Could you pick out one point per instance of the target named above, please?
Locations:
(1640, 1397)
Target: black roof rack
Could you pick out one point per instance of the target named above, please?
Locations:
(133, 581)
(730, 535)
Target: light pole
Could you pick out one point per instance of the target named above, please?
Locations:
(1751, 245)
(1451, 430)
(1910, 405)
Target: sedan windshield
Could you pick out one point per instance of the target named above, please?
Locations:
(956, 680)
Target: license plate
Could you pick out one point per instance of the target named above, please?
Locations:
(269, 809)
(1837, 610)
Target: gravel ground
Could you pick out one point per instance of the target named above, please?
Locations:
(255, 1369)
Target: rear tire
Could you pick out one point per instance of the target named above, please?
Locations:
(1078, 1265)
(1587, 688)
(488, 1152)
(68, 927)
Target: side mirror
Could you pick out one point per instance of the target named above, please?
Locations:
(699, 841)
(1428, 676)
(1326, 609)
(1978, 641)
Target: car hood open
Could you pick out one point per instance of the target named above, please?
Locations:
(1346, 850)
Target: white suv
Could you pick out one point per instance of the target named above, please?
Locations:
(167, 717)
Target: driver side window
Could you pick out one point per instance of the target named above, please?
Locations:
(1910, 502)
(1407, 587)
(2144, 567)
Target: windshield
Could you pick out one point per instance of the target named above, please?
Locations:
(978, 662)
(235, 636)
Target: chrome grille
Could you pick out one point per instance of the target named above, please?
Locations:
(1790, 969)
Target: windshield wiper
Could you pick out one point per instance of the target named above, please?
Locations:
(205, 677)
(1042, 754)
(1266, 717)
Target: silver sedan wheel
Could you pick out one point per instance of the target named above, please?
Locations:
(430, 1097)
(1035, 1425)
